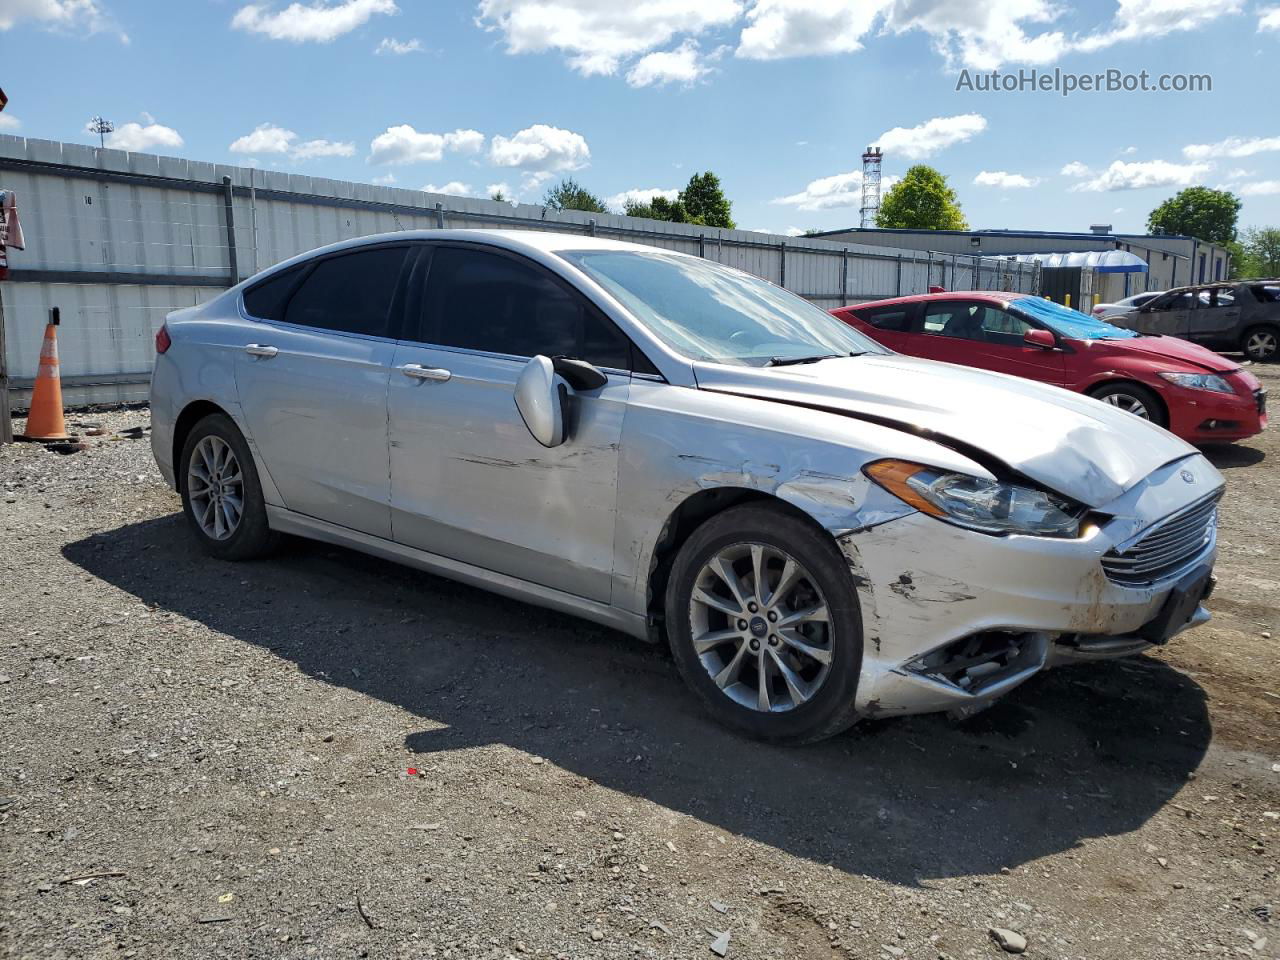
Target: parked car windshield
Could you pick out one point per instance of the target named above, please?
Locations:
(1067, 322)
(711, 312)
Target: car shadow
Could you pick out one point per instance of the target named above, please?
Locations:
(1228, 456)
(1077, 753)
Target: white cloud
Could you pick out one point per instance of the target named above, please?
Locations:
(1004, 181)
(1075, 169)
(1269, 19)
(398, 47)
(386, 180)
(1261, 188)
(828, 193)
(619, 200)
(454, 188)
(928, 138)
(540, 148)
(597, 37)
(683, 65)
(318, 22)
(1128, 151)
(323, 148)
(1145, 19)
(137, 137)
(982, 36)
(503, 188)
(404, 144)
(84, 15)
(794, 232)
(1150, 173)
(266, 138)
(9, 122)
(803, 28)
(1231, 147)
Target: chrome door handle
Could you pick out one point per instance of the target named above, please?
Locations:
(260, 350)
(419, 372)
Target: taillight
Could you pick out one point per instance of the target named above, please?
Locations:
(163, 340)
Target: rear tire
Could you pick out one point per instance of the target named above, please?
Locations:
(797, 624)
(221, 494)
(1133, 398)
(1261, 344)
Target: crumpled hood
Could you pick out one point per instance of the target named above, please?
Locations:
(1179, 353)
(1069, 443)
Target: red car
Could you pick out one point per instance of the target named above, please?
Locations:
(1195, 393)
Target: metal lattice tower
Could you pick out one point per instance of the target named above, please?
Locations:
(870, 186)
(101, 127)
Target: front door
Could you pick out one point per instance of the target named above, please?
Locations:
(313, 385)
(1215, 318)
(468, 480)
(980, 334)
(1167, 315)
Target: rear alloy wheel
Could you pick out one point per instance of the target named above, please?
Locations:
(221, 495)
(764, 624)
(1133, 398)
(1260, 344)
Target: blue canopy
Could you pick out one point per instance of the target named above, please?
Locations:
(1103, 261)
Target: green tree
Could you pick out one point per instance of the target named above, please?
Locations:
(1261, 252)
(498, 195)
(659, 208)
(921, 200)
(1198, 212)
(705, 202)
(568, 194)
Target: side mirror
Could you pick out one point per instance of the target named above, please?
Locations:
(1040, 338)
(541, 397)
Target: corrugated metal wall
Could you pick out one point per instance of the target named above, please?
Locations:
(117, 240)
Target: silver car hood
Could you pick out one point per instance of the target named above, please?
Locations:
(1069, 443)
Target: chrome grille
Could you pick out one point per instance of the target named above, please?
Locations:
(1166, 547)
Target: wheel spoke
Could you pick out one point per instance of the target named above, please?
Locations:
(815, 614)
(786, 580)
(730, 671)
(713, 639)
(800, 643)
(717, 566)
(757, 572)
(716, 603)
(799, 690)
(763, 702)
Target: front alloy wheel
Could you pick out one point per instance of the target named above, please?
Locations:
(763, 619)
(1128, 403)
(761, 627)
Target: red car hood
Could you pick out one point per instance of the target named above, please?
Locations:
(1178, 352)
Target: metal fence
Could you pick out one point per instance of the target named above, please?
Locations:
(118, 240)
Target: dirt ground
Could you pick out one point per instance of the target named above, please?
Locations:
(207, 760)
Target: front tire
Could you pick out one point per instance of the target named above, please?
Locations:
(221, 494)
(1261, 344)
(1133, 398)
(765, 626)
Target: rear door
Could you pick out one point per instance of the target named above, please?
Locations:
(469, 481)
(983, 335)
(313, 384)
(1214, 320)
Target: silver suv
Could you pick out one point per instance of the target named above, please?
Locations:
(820, 529)
(1239, 315)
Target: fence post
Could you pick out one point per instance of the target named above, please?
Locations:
(439, 216)
(233, 267)
(844, 276)
(899, 280)
(6, 425)
(702, 245)
(782, 265)
(591, 227)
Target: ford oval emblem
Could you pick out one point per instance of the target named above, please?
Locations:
(1188, 476)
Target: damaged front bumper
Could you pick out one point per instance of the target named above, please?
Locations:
(954, 619)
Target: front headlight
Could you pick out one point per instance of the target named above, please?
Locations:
(1199, 381)
(987, 506)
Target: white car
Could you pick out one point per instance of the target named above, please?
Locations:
(821, 529)
(1127, 305)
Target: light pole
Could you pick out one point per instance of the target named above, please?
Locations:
(101, 127)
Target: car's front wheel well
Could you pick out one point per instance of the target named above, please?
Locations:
(191, 414)
(1105, 386)
(688, 517)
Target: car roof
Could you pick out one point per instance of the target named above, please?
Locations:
(991, 296)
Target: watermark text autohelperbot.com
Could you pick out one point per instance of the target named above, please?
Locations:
(1065, 83)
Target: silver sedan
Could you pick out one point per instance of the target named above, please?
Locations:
(820, 529)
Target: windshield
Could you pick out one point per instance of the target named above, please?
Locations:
(711, 312)
(1067, 322)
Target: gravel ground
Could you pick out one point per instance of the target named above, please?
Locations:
(324, 755)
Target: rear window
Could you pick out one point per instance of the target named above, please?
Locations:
(266, 300)
(1267, 293)
(351, 293)
(887, 318)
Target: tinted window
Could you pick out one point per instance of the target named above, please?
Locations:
(267, 299)
(1267, 294)
(486, 301)
(351, 293)
(887, 318)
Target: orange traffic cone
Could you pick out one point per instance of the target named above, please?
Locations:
(44, 419)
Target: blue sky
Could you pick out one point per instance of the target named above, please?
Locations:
(778, 97)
